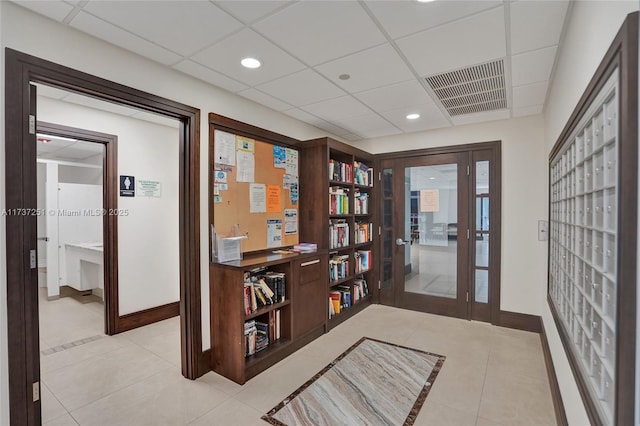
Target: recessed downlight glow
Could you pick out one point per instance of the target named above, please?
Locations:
(425, 1)
(432, 178)
(250, 63)
(413, 116)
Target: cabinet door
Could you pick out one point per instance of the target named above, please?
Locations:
(310, 295)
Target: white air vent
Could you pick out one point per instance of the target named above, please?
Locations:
(474, 89)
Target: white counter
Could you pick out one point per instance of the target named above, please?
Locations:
(85, 265)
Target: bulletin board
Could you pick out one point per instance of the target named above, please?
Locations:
(254, 186)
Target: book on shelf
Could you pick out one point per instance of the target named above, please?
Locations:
(338, 267)
(338, 233)
(360, 289)
(345, 296)
(360, 202)
(262, 335)
(339, 171)
(250, 334)
(362, 174)
(276, 282)
(263, 289)
(363, 260)
(338, 200)
(363, 232)
(305, 247)
(334, 298)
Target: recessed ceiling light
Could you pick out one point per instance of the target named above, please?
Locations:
(413, 116)
(432, 178)
(425, 1)
(250, 63)
(344, 76)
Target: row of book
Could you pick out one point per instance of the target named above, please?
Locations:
(360, 202)
(363, 232)
(258, 334)
(364, 260)
(338, 233)
(341, 172)
(343, 297)
(338, 200)
(263, 289)
(362, 174)
(339, 267)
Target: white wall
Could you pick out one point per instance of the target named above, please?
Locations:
(590, 30)
(524, 199)
(148, 255)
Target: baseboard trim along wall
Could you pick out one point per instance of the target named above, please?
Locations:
(558, 405)
(148, 316)
(520, 321)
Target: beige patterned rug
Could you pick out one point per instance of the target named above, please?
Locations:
(371, 383)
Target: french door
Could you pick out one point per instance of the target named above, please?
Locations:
(440, 233)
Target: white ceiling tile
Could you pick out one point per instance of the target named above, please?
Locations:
(264, 99)
(375, 67)
(536, 24)
(101, 29)
(183, 26)
(528, 110)
(531, 94)
(352, 137)
(401, 95)
(205, 74)
(302, 88)
(532, 67)
(370, 125)
(337, 108)
(401, 18)
(477, 39)
(480, 117)
(430, 118)
(250, 10)
(53, 9)
(315, 121)
(226, 55)
(319, 31)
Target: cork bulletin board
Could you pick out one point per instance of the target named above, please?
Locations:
(253, 189)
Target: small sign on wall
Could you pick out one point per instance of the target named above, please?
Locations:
(127, 186)
(149, 188)
(429, 200)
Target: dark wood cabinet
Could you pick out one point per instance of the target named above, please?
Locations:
(310, 290)
(300, 314)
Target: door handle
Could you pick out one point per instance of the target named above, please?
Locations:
(401, 242)
(45, 239)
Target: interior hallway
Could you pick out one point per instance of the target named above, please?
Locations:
(492, 375)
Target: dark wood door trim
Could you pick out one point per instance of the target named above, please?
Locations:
(109, 203)
(22, 302)
(387, 160)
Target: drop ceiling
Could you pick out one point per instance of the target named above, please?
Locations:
(388, 48)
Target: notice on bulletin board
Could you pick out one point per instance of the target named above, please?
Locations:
(257, 198)
(225, 148)
(246, 166)
(429, 200)
(290, 221)
(274, 199)
(274, 233)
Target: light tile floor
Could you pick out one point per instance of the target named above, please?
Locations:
(492, 375)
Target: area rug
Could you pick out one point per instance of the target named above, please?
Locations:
(371, 383)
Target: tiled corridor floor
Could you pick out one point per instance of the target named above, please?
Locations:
(492, 375)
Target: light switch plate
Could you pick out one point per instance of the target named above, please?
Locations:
(543, 230)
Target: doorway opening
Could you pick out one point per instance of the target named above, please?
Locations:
(21, 180)
(440, 231)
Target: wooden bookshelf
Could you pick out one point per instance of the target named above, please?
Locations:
(317, 213)
(302, 313)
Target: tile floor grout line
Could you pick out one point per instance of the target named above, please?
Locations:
(484, 380)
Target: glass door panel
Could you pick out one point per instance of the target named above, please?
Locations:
(431, 257)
